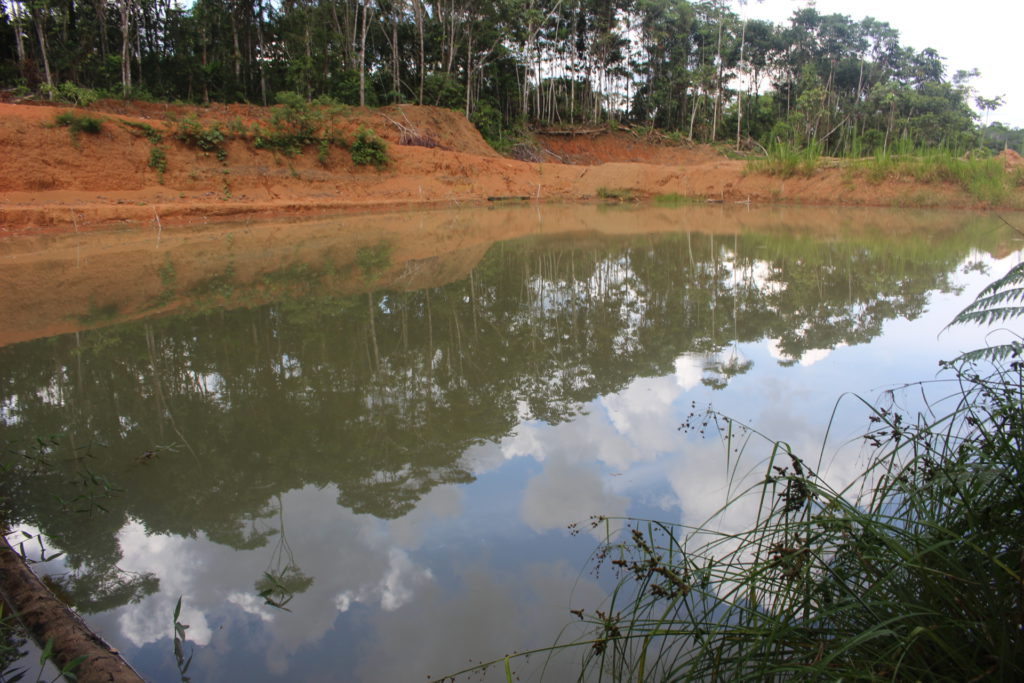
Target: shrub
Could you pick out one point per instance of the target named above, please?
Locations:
(293, 125)
(78, 123)
(70, 93)
(192, 132)
(158, 162)
(369, 150)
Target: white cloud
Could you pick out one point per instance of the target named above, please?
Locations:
(565, 493)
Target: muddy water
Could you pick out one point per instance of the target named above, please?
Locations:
(353, 445)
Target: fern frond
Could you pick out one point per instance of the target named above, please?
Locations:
(1000, 301)
(989, 316)
(1014, 276)
(1000, 352)
(996, 299)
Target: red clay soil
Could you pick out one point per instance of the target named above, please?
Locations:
(50, 181)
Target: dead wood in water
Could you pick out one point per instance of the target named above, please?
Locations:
(46, 618)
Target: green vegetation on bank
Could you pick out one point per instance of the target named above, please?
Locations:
(78, 123)
(982, 176)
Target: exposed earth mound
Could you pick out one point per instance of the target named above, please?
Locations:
(137, 168)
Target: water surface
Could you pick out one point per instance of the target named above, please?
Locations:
(352, 445)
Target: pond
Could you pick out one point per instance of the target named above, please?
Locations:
(352, 446)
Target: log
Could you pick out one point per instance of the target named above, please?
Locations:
(47, 618)
(594, 131)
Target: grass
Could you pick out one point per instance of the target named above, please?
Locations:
(912, 572)
(985, 179)
(12, 644)
(78, 123)
(676, 199)
(619, 194)
(140, 129)
(786, 160)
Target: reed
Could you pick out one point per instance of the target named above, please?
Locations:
(913, 572)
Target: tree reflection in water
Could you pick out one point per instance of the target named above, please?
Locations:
(205, 418)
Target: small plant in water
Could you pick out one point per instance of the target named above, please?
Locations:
(183, 662)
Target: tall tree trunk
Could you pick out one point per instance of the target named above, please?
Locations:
(206, 86)
(41, 35)
(19, 40)
(125, 8)
(718, 84)
(396, 80)
(693, 113)
(739, 99)
(469, 70)
(418, 11)
(101, 19)
(237, 54)
(262, 49)
(362, 53)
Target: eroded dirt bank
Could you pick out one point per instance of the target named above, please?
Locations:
(51, 180)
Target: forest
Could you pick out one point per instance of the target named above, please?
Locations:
(694, 69)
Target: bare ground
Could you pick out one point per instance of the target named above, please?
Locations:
(50, 181)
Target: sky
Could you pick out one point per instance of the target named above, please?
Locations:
(983, 34)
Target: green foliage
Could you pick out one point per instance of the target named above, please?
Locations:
(179, 629)
(158, 162)
(621, 194)
(488, 121)
(786, 160)
(983, 177)
(295, 124)
(692, 67)
(237, 128)
(369, 150)
(444, 90)
(192, 132)
(79, 123)
(323, 151)
(676, 199)
(70, 93)
(12, 644)
(145, 130)
(1000, 301)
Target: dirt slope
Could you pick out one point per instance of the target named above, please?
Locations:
(50, 181)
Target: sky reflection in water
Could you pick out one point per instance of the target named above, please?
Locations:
(398, 466)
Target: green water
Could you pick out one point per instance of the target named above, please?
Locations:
(350, 470)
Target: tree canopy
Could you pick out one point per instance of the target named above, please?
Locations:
(697, 68)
